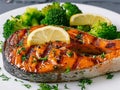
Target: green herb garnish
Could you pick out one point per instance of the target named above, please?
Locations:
(22, 49)
(109, 76)
(4, 77)
(34, 61)
(103, 55)
(67, 70)
(19, 44)
(1, 44)
(65, 86)
(70, 54)
(44, 58)
(24, 57)
(18, 80)
(27, 86)
(79, 37)
(66, 28)
(55, 87)
(83, 82)
(44, 86)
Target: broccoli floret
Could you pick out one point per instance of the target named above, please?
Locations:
(118, 35)
(85, 28)
(71, 9)
(55, 16)
(52, 6)
(102, 30)
(31, 17)
(11, 25)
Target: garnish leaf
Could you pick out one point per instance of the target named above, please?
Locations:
(65, 86)
(44, 58)
(4, 77)
(83, 82)
(103, 55)
(109, 75)
(24, 57)
(44, 86)
(27, 86)
(67, 70)
(69, 54)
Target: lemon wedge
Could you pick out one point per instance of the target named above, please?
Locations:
(87, 19)
(47, 34)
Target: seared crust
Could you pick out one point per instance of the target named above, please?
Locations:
(82, 57)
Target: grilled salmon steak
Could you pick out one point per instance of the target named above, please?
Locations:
(86, 56)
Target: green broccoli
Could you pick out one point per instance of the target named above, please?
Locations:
(118, 35)
(85, 28)
(11, 25)
(102, 30)
(52, 6)
(31, 17)
(71, 9)
(55, 16)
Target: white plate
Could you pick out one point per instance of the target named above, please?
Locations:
(99, 83)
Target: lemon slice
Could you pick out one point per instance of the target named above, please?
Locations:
(87, 19)
(47, 34)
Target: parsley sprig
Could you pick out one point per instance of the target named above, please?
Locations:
(109, 75)
(27, 86)
(83, 82)
(102, 55)
(4, 77)
(67, 70)
(43, 58)
(45, 86)
(69, 54)
(65, 86)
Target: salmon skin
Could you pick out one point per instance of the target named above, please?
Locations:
(85, 57)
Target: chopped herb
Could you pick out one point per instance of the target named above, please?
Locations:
(19, 51)
(18, 80)
(66, 28)
(83, 82)
(44, 58)
(1, 44)
(70, 54)
(4, 77)
(109, 76)
(34, 61)
(103, 55)
(65, 86)
(67, 70)
(55, 87)
(27, 86)
(44, 86)
(79, 37)
(24, 57)
(20, 44)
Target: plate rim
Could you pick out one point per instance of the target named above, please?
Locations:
(2, 15)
